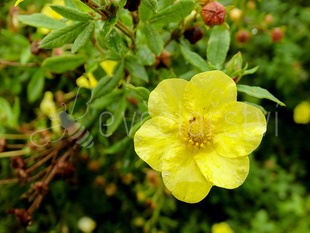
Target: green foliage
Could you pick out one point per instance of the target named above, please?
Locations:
(148, 46)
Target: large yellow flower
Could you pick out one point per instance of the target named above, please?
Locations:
(199, 135)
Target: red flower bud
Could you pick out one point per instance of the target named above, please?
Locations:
(193, 35)
(213, 14)
(277, 34)
(243, 36)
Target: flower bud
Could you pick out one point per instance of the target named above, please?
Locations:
(2, 144)
(22, 216)
(100, 181)
(269, 19)
(111, 189)
(277, 34)
(127, 178)
(18, 162)
(65, 168)
(35, 47)
(251, 5)
(40, 187)
(193, 35)
(132, 5)
(213, 14)
(94, 166)
(163, 60)
(235, 14)
(243, 36)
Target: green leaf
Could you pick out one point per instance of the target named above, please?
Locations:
(151, 4)
(71, 13)
(154, 40)
(6, 112)
(104, 87)
(84, 37)
(146, 55)
(258, 106)
(63, 63)
(117, 118)
(174, 13)
(141, 92)
(119, 146)
(115, 43)
(107, 99)
(41, 20)
(258, 92)
(194, 59)
(62, 36)
(144, 11)
(251, 71)
(218, 46)
(107, 27)
(36, 86)
(136, 69)
(82, 6)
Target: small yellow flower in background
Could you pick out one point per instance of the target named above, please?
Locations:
(199, 135)
(48, 107)
(47, 10)
(302, 113)
(222, 227)
(86, 225)
(91, 81)
(108, 66)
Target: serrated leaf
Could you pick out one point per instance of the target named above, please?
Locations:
(218, 46)
(84, 37)
(258, 92)
(136, 69)
(62, 36)
(174, 13)
(194, 59)
(115, 43)
(36, 86)
(41, 20)
(141, 92)
(71, 13)
(104, 87)
(154, 40)
(63, 63)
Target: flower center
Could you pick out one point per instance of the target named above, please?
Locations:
(196, 132)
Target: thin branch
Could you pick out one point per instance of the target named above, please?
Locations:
(12, 63)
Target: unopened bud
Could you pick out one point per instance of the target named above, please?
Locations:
(132, 5)
(269, 19)
(93, 166)
(2, 144)
(193, 35)
(235, 14)
(40, 187)
(100, 181)
(213, 14)
(251, 5)
(35, 47)
(243, 36)
(277, 34)
(110, 190)
(65, 168)
(163, 60)
(22, 216)
(18, 162)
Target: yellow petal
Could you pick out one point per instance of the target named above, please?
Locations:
(82, 82)
(154, 139)
(166, 99)
(238, 129)
(108, 66)
(222, 227)
(92, 80)
(182, 176)
(222, 172)
(302, 113)
(209, 90)
(17, 2)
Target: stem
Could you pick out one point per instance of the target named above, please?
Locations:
(16, 146)
(35, 204)
(12, 153)
(11, 63)
(15, 136)
(98, 47)
(9, 181)
(125, 30)
(38, 164)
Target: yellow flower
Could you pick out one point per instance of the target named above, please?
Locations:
(48, 107)
(199, 135)
(302, 113)
(84, 82)
(222, 227)
(108, 66)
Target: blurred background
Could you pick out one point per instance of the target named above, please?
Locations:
(119, 192)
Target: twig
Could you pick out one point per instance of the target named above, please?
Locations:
(12, 153)
(12, 63)
(9, 181)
